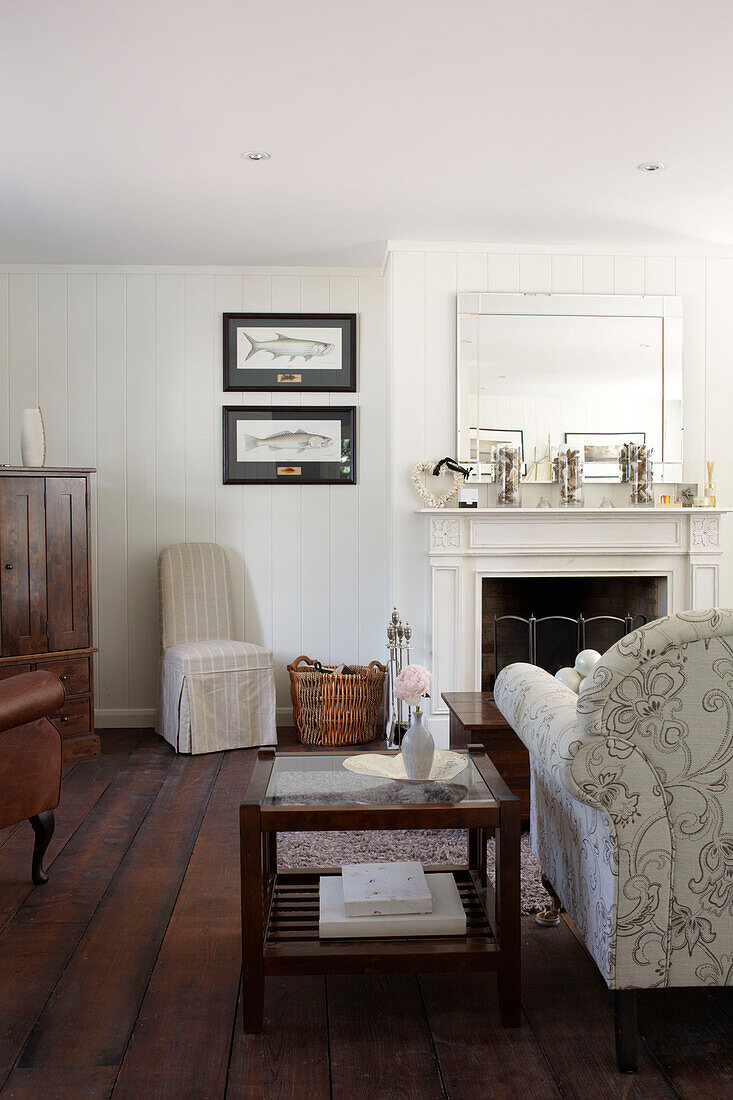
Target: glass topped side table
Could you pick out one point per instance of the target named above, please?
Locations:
(314, 792)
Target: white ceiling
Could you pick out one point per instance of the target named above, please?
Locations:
(123, 125)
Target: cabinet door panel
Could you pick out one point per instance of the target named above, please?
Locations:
(22, 566)
(68, 580)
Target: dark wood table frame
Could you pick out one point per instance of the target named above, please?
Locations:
(280, 909)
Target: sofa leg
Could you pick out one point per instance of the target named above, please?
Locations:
(550, 917)
(43, 826)
(624, 1017)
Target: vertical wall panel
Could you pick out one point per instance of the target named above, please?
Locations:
(598, 274)
(344, 501)
(535, 274)
(567, 274)
(4, 373)
(287, 517)
(472, 271)
(628, 274)
(315, 502)
(440, 354)
(111, 497)
(659, 275)
(81, 412)
(257, 506)
(691, 286)
(409, 444)
(142, 610)
(719, 371)
(170, 439)
(374, 518)
(503, 272)
(23, 353)
(52, 365)
(200, 372)
(228, 519)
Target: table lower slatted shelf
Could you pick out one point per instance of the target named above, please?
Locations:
(292, 937)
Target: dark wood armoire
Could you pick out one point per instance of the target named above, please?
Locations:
(45, 591)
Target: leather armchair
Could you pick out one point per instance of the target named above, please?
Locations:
(632, 804)
(30, 757)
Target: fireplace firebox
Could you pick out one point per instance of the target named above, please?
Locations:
(547, 620)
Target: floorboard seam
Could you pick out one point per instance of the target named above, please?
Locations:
(91, 916)
(432, 1040)
(233, 1035)
(170, 915)
(328, 1039)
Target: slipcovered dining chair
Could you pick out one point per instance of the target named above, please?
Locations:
(215, 692)
(632, 804)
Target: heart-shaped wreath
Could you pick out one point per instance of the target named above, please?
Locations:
(430, 499)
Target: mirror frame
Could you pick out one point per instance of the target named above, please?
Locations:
(667, 307)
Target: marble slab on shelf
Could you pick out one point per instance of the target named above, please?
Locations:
(448, 917)
(378, 889)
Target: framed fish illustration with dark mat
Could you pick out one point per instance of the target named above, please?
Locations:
(289, 444)
(302, 352)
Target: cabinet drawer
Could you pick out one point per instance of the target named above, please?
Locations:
(74, 717)
(6, 671)
(73, 673)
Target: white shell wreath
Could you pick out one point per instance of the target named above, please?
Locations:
(418, 480)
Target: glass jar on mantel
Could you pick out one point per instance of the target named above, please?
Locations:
(569, 464)
(637, 469)
(507, 463)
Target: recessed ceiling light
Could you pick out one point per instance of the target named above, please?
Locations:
(651, 166)
(256, 154)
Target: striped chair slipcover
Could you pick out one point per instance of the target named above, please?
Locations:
(215, 692)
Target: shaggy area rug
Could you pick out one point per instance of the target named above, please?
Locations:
(296, 850)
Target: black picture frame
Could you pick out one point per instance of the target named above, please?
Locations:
(281, 372)
(307, 468)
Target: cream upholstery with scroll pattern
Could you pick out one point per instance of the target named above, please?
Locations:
(632, 798)
(215, 692)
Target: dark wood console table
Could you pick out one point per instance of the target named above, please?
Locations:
(475, 719)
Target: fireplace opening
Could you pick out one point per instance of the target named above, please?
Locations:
(553, 644)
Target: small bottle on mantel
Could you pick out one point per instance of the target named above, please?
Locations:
(711, 495)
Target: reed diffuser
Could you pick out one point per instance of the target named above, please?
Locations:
(711, 495)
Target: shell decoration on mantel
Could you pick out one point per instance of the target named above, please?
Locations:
(418, 480)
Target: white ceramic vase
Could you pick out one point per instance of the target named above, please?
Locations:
(418, 749)
(32, 438)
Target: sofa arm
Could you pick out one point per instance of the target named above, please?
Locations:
(28, 697)
(611, 775)
(544, 715)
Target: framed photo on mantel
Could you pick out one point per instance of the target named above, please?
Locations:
(301, 352)
(289, 444)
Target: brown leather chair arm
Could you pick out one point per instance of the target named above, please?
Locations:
(30, 696)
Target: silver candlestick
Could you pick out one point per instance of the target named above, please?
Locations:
(398, 643)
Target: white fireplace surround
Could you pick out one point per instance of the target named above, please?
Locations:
(467, 544)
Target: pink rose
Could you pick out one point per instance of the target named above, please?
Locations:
(412, 683)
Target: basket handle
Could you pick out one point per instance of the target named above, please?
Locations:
(294, 666)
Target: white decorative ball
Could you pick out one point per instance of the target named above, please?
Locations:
(581, 683)
(569, 677)
(586, 661)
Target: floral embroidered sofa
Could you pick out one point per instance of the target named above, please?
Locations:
(632, 804)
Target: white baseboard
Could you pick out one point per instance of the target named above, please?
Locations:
(124, 719)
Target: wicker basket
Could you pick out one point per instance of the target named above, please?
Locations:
(331, 707)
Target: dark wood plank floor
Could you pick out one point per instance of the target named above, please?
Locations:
(122, 976)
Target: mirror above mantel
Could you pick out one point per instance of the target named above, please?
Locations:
(595, 371)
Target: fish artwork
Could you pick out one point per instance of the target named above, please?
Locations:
(289, 347)
(299, 441)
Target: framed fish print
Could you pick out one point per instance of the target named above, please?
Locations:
(300, 352)
(289, 444)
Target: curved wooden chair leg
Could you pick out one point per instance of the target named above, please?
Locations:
(43, 826)
(550, 917)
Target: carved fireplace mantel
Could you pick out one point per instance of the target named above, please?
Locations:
(681, 545)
